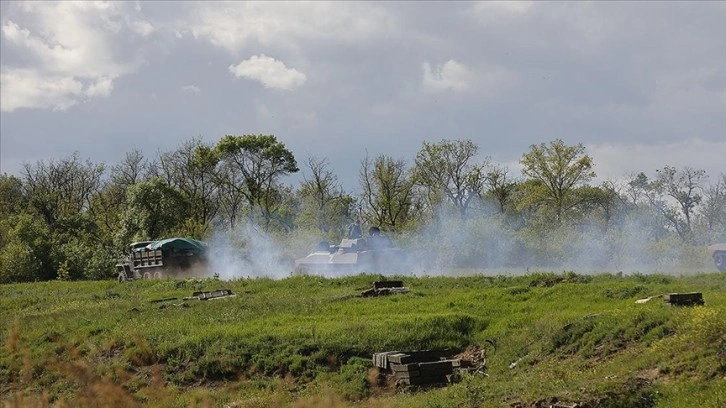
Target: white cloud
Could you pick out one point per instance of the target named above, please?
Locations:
(452, 75)
(22, 88)
(101, 88)
(497, 9)
(233, 25)
(143, 28)
(193, 89)
(268, 71)
(67, 53)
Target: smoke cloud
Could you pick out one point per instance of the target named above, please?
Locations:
(482, 244)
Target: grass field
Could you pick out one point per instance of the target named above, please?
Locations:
(307, 342)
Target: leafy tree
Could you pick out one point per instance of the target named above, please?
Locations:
(59, 189)
(78, 253)
(598, 201)
(154, 210)
(556, 170)
(133, 168)
(253, 166)
(388, 192)
(500, 187)
(684, 186)
(191, 169)
(323, 199)
(25, 254)
(714, 209)
(109, 202)
(646, 204)
(447, 167)
(281, 209)
(12, 199)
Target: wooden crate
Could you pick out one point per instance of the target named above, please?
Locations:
(684, 299)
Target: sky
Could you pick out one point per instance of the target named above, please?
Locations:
(641, 85)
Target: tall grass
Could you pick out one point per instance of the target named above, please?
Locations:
(307, 341)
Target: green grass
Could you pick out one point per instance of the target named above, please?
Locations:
(308, 341)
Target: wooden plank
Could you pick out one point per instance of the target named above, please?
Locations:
(401, 375)
(419, 356)
(429, 355)
(400, 358)
(424, 380)
(404, 367)
(437, 368)
(381, 359)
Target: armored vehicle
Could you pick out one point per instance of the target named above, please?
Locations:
(718, 252)
(170, 257)
(375, 254)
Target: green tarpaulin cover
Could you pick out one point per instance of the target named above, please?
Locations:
(181, 244)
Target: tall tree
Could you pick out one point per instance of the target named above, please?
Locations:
(447, 167)
(500, 186)
(63, 188)
(154, 210)
(258, 161)
(557, 170)
(12, 199)
(684, 186)
(131, 170)
(324, 200)
(714, 209)
(643, 201)
(388, 192)
(109, 203)
(192, 170)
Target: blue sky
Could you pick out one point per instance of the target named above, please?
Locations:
(641, 84)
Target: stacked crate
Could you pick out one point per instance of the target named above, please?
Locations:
(417, 367)
(684, 299)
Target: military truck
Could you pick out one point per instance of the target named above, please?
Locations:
(718, 252)
(166, 258)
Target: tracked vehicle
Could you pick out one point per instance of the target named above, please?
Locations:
(718, 252)
(375, 254)
(172, 257)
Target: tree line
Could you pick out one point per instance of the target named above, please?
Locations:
(71, 218)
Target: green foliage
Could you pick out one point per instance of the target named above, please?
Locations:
(26, 251)
(154, 210)
(446, 169)
(67, 218)
(253, 167)
(557, 170)
(352, 379)
(18, 263)
(11, 195)
(388, 192)
(324, 205)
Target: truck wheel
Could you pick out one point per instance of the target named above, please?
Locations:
(122, 277)
(147, 275)
(157, 275)
(720, 260)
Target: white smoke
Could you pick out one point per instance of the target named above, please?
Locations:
(485, 243)
(247, 252)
